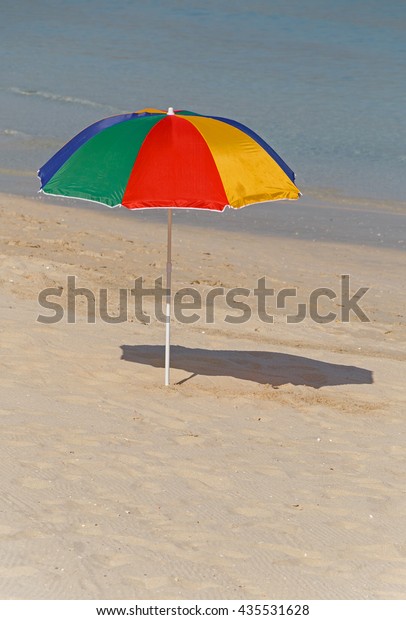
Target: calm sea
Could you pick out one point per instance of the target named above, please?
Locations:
(322, 81)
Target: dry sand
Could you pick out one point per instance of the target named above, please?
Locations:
(274, 465)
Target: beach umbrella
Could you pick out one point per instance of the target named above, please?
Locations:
(165, 159)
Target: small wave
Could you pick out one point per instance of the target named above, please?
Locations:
(15, 132)
(29, 140)
(62, 98)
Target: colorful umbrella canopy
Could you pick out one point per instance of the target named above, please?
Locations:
(153, 158)
(158, 159)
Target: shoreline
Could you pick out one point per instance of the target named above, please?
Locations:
(326, 195)
(339, 220)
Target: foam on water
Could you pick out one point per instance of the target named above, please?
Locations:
(62, 98)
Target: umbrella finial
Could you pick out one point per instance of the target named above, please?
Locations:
(170, 112)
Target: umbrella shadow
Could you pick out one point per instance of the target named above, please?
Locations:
(265, 367)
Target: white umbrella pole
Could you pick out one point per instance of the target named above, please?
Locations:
(168, 298)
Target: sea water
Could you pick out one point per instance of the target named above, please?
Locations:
(322, 81)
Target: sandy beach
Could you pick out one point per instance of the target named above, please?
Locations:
(272, 467)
